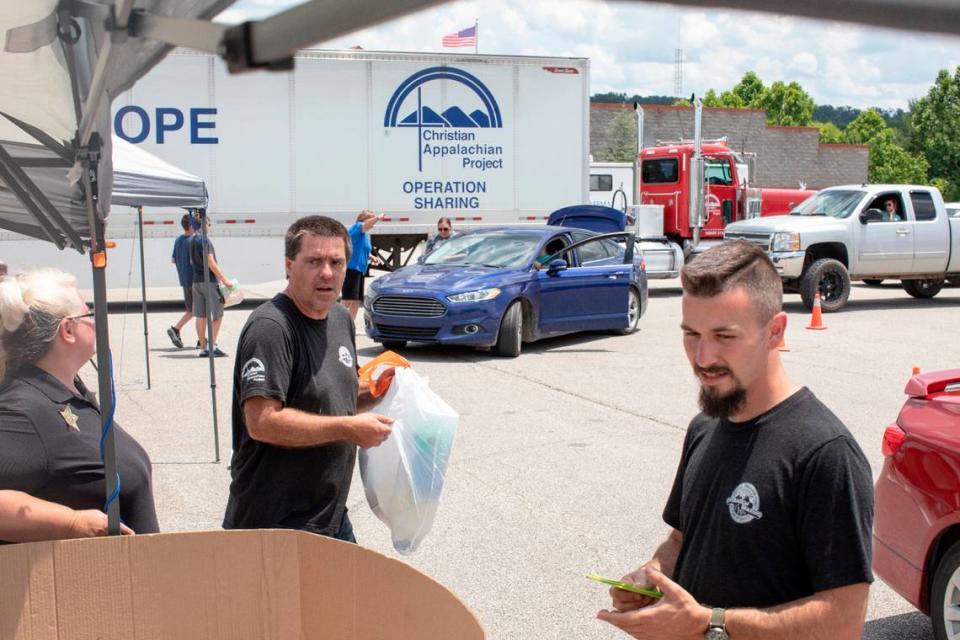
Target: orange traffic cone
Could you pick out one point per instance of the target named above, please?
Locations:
(816, 320)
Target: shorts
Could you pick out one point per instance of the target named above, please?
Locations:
(188, 298)
(202, 297)
(353, 285)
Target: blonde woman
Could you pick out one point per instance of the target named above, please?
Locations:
(49, 422)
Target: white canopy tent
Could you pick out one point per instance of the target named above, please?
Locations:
(63, 61)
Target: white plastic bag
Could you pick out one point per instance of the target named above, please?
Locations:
(403, 477)
(231, 295)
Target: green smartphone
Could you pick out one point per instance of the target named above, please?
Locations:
(626, 586)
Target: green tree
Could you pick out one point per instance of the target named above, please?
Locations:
(787, 104)
(865, 127)
(711, 99)
(749, 90)
(622, 135)
(935, 125)
(829, 133)
(732, 100)
(889, 162)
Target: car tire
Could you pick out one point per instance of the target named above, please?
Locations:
(922, 288)
(945, 595)
(394, 345)
(872, 282)
(634, 311)
(510, 337)
(830, 278)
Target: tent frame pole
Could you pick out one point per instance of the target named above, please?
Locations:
(90, 157)
(208, 308)
(143, 296)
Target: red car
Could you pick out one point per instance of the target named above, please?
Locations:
(916, 530)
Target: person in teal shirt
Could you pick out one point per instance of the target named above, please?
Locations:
(352, 292)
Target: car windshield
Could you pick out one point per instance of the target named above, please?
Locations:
(498, 250)
(837, 203)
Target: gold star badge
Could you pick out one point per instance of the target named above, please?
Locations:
(70, 418)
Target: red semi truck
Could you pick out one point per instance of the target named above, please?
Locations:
(688, 191)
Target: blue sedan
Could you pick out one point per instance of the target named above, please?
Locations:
(505, 286)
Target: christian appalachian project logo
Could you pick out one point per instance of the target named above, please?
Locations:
(451, 132)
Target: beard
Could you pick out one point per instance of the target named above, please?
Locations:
(718, 405)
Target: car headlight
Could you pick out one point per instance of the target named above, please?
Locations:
(786, 241)
(475, 296)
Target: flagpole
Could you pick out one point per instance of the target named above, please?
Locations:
(476, 36)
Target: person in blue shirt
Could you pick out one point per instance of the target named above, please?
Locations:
(352, 292)
(181, 258)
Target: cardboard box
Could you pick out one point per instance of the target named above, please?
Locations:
(221, 585)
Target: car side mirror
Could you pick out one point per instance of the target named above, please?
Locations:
(556, 266)
(871, 215)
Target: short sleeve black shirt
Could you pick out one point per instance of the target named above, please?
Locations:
(196, 257)
(773, 509)
(308, 365)
(50, 448)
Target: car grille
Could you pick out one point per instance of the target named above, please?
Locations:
(409, 306)
(390, 331)
(762, 240)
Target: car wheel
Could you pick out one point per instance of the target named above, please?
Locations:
(922, 288)
(872, 282)
(633, 312)
(945, 596)
(394, 345)
(830, 278)
(510, 338)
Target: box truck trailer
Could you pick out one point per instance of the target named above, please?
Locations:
(483, 140)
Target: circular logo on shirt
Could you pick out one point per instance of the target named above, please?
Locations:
(253, 371)
(345, 357)
(744, 503)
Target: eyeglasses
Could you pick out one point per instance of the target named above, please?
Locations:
(89, 314)
(443, 228)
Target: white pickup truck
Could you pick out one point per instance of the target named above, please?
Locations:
(854, 232)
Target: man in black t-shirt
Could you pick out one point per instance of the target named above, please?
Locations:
(295, 396)
(772, 504)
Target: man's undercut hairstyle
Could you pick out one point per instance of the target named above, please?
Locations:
(734, 264)
(315, 225)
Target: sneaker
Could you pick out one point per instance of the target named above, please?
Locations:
(175, 337)
(217, 353)
(203, 353)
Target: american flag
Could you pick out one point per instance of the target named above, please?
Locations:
(465, 38)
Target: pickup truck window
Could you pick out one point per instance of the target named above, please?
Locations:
(659, 170)
(923, 208)
(836, 203)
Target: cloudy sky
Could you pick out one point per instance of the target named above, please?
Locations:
(631, 46)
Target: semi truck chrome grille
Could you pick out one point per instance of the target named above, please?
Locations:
(409, 306)
(762, 240)
(390, 331)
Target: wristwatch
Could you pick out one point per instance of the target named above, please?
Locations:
(717, 629)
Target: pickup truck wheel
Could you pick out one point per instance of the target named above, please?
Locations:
(872, 282)
(945, 595)
(830, 278)
(393, 345)
(510, 338)
(922, 288)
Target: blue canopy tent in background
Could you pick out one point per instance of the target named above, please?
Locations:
(63, 61)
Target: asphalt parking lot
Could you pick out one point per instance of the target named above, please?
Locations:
(564, 456)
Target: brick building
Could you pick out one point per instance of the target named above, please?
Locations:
(786, 156)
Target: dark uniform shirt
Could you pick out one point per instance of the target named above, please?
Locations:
(50, 448)
(773, 509)
(308, 365)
